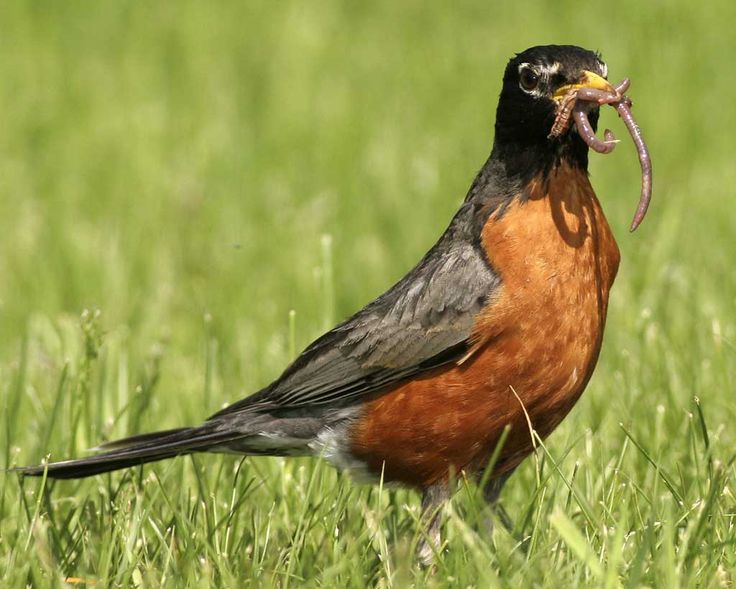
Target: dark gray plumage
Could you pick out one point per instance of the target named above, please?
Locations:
(422, 322)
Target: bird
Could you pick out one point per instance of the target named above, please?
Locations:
(493, 334)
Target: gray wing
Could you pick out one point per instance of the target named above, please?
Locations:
(422, 322)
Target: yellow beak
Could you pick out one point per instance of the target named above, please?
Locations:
(588, 80)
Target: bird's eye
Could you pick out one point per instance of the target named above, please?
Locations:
(528, 79)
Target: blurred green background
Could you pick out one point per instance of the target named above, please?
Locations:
(197, 170)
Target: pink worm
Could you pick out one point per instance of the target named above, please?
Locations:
(622, 104)
(585, 130)
(624, 111)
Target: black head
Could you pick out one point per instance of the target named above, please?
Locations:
(529, 100)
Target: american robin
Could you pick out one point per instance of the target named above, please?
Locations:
(499, 325)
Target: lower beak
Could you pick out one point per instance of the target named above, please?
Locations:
(588, 80)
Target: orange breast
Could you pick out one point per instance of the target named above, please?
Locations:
(540, 336)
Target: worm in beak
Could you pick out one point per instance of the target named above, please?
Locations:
(573, 103)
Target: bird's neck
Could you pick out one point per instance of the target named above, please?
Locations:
(538, 159)
(512, 166)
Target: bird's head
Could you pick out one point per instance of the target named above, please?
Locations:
(534, 85)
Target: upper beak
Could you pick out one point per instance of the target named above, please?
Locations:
(588, 80)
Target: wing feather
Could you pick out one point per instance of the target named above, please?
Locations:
(422, 322)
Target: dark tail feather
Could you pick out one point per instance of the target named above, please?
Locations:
(136, 450)
(148, 438)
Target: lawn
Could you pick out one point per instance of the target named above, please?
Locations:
(191, 192)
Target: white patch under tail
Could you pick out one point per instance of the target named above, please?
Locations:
(333, 444)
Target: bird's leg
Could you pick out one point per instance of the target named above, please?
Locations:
(491, 493)
(433, 499)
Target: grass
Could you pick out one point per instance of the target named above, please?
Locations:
(191, 192)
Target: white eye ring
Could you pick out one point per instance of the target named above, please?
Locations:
(528, 78)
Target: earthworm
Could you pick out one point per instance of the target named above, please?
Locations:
(595, 95)
(564, 112)
(585, 130)
(603, 97)
(622, 86)
(623, 107)
(571, 105)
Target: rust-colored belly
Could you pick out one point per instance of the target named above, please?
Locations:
(537, 343)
